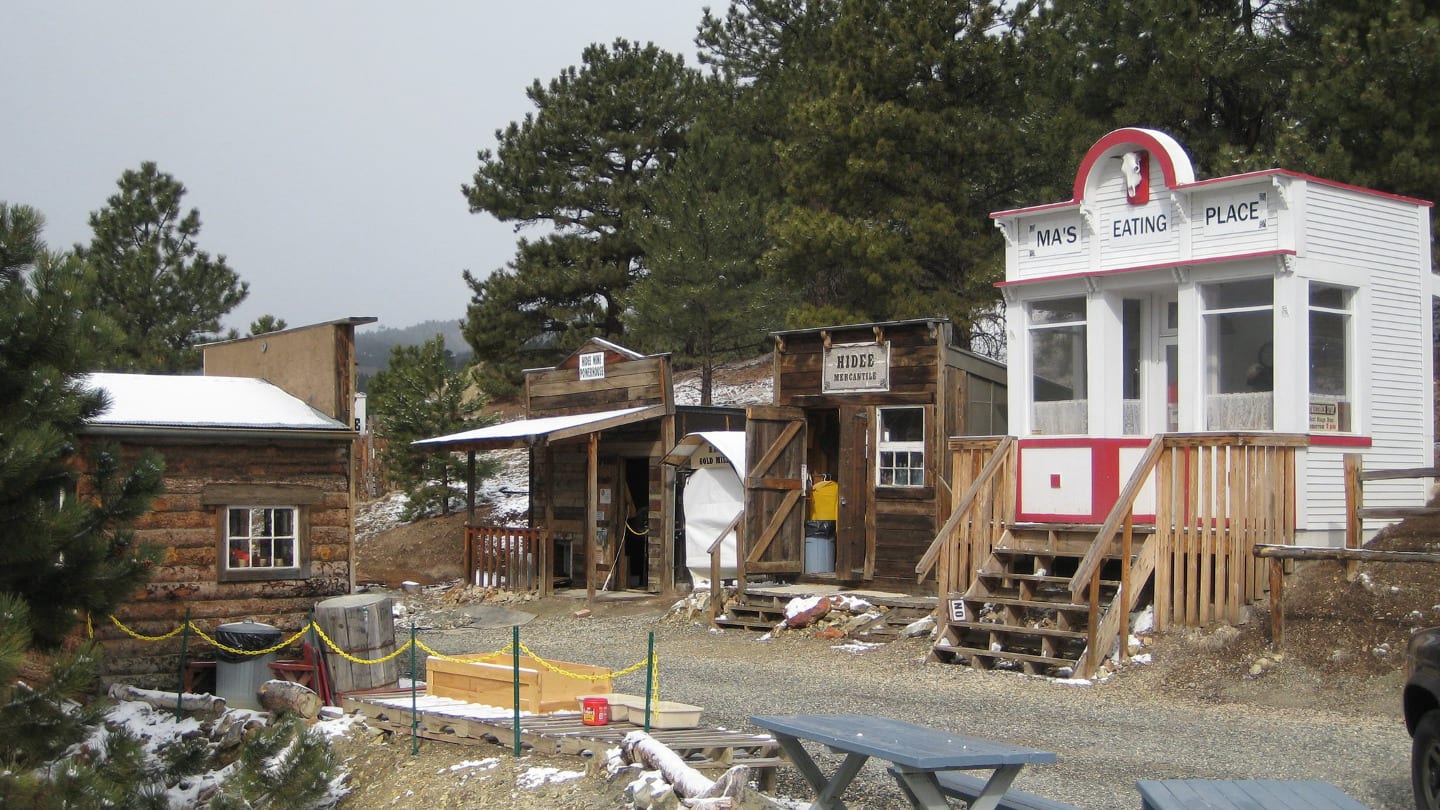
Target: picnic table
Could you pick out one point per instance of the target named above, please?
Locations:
(1243, 794)
(918, 755)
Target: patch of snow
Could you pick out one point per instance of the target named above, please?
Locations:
(470, 764)
(1144, 621)
(1072, 682)
(856, 647)
(535, 777)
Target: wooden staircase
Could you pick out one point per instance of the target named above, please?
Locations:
(1019, 611)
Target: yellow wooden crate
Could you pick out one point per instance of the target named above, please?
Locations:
(490, 679)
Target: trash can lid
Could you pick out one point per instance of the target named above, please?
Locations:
(252, 628)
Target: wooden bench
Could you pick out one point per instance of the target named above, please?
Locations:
(966, 787)
(1243, 794)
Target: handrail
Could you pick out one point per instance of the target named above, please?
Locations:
(992, 466)
(1124, 505)
(714, 552)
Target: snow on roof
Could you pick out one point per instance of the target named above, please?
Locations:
(522, 429)
(190, 401)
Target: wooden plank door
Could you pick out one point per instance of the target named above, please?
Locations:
(857, 488)
(773, 537)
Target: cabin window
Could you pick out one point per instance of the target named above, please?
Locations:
(901, 447)
(262, 538)
(1057, 365)
(1330, 402)
(1239, 355)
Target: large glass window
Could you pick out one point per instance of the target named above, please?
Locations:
(1329, 358)
(1240, 355)
(901, 447)
(1057, 366)
(263, 537)
(1132, 357)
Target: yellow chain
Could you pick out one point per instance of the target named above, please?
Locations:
(232, 650)
(467, 659)
(134, 634)
(655, 680)
(576, 675)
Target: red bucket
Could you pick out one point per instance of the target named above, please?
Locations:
(595, 711)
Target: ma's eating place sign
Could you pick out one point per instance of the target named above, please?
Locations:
(856, 367)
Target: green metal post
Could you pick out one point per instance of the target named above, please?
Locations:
(184, 649)
(515, 657)
(414, 699)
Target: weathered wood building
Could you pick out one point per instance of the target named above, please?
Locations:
(255, 514)
(868, 406)
(596, 427)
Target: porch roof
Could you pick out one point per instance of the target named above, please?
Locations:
(524, 432)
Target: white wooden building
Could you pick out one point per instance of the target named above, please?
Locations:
(1153, 302)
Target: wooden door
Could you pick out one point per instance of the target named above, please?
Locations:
(857, 485)
(773, 537)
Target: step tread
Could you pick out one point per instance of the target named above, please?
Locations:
(1009, 655)
(995, 627)
(1028, 603)
(1040, 578)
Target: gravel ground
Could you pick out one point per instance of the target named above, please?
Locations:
(1107, 735)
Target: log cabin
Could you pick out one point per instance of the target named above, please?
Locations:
(254, 517)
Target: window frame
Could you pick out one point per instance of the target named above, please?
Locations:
(1347, 416)
(1079, 325)
(300, 530)
(1214, 309)
(911, 448)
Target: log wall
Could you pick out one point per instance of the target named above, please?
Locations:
(186, 522)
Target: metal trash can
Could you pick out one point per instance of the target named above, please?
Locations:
(238, 677)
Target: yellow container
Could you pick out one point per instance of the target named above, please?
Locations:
(825, 500)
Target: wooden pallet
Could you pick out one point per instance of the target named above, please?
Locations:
(456, 721)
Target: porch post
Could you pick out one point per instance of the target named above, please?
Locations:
(592, 506)
(469, 553)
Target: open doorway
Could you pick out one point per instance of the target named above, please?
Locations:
(634, 528)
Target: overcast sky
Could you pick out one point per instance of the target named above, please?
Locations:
(324, 143)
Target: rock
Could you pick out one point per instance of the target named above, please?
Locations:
(830, 633)
(583, 613)
(808, 614)
(920, 627)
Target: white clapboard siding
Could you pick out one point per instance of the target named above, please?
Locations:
(1378, 238)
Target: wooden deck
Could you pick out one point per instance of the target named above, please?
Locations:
(456, 721)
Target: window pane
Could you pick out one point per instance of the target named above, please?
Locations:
(284, 523)
(1065, 310)
(239, 522)
(1258, 292)
(1329, 359)
(1058, 358)
(1239, 358)
(902, 425)
(1323, 295)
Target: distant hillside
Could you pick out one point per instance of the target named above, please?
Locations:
(372, 348)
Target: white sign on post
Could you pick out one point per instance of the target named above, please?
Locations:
(592, 366)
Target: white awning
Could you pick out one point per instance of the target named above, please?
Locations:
(524, 432)
(730, 443)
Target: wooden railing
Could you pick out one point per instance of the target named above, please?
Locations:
(983, 470)
(1217, 495)
(505, 557)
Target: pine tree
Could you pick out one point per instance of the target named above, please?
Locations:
(420, 396)
(145, 270)
(64, 545)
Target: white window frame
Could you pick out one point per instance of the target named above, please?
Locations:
(1207, 312)
(1347, 312)
(1079, 408)
(253, 542)
(912, 452)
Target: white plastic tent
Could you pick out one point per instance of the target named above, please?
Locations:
(714, 495)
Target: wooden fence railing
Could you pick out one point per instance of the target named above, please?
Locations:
(983, 470)
(505, 557)
(1217, 496)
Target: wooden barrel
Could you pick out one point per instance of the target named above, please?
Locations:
(362, 625)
